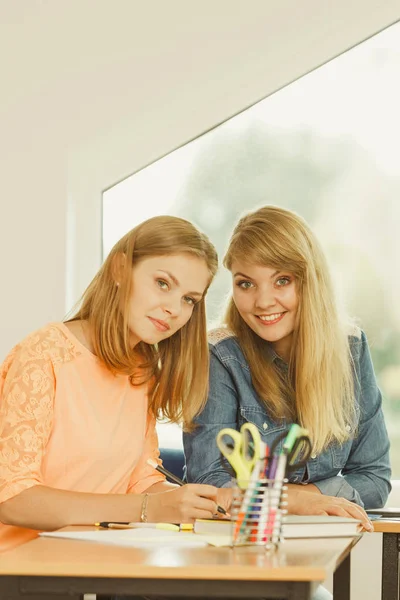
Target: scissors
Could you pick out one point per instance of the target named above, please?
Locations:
(243, 449)
(296, 446)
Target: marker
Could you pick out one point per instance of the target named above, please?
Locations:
(123, 525)
(175, 479)
(186, 526)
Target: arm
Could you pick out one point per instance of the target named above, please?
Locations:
(308, 500)
(365, 478)
(26, 422)
(203, 458)
(46, 508)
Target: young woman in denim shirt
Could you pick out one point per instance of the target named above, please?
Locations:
(284, 356)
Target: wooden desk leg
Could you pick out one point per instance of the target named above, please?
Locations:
(341, 580)
(390, 566)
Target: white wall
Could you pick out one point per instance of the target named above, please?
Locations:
(94, 90)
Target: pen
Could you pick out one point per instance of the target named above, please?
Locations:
(175, 479)
(125, 525)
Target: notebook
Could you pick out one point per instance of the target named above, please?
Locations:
(384, 513)
(294, 526)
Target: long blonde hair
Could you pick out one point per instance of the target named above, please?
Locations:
(319, 393)
(178, 365)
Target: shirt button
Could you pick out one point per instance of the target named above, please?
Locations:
(313, 456)
(265, 426)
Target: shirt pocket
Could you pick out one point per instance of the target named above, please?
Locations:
(268, 428)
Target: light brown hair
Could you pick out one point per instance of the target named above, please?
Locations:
(319, 393)
(177, 366)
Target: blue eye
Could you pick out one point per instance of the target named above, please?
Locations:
(162, 284)
(282, 281)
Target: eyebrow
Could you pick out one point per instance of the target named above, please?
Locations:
(239, 274)
(176, 282)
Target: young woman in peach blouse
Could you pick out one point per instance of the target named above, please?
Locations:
(79, 399)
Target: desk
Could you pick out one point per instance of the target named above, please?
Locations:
(49, 567)
(390, 557)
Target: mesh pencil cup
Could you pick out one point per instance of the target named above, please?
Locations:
(257, 511)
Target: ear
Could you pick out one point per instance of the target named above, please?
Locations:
(118, 267)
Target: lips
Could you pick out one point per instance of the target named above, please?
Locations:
(160, 325)
(270, 319)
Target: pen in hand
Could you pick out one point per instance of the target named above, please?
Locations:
(175, 479)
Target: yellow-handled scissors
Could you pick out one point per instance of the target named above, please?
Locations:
(243, 449)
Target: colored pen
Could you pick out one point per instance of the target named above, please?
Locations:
(294, 432)
(124, 525)
(246, 505)
(175, 479)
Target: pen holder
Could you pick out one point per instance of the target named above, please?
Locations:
(257, 510)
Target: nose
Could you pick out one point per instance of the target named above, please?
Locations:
(172, 305)
(265, 298)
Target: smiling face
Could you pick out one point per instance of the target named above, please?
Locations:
(164, 292)
(267, 301)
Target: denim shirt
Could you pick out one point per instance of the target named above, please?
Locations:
(358, 469)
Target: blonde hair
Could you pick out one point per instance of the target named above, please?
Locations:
(177, 366)
(320, 391)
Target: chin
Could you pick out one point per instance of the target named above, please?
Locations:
(270, 337)
(154, 339)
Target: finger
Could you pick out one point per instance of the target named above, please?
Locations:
(224, 497)
(202, 514)
(357, 512)
(205, 504)
(337, 511)
(354, 508)
(348, 509)
(204, 490)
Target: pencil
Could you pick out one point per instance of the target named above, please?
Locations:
(175, 479)
(124, 525)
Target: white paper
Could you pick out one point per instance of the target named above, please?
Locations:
(132, 537)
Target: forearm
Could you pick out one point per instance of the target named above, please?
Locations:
(295, 492)
(46, 508)
(363, 489)
(161, 486)
(373, 490)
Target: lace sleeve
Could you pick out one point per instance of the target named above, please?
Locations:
(27, 386)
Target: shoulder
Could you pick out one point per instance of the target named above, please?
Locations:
(353, 332)
(47, 344)
(225, 345)
(220, 334)
(357, 340)
(361, 357)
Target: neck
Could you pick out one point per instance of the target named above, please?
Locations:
(283, 348)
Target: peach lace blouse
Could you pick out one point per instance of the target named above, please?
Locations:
(67, 422)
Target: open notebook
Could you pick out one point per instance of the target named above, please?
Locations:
(294, 526)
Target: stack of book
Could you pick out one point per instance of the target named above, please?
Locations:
(294, 526)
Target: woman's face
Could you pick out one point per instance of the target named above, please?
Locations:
(164, 292)
(267, 301)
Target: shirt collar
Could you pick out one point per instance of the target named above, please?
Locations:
(273, 357)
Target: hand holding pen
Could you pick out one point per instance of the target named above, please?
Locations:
(189, 502)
